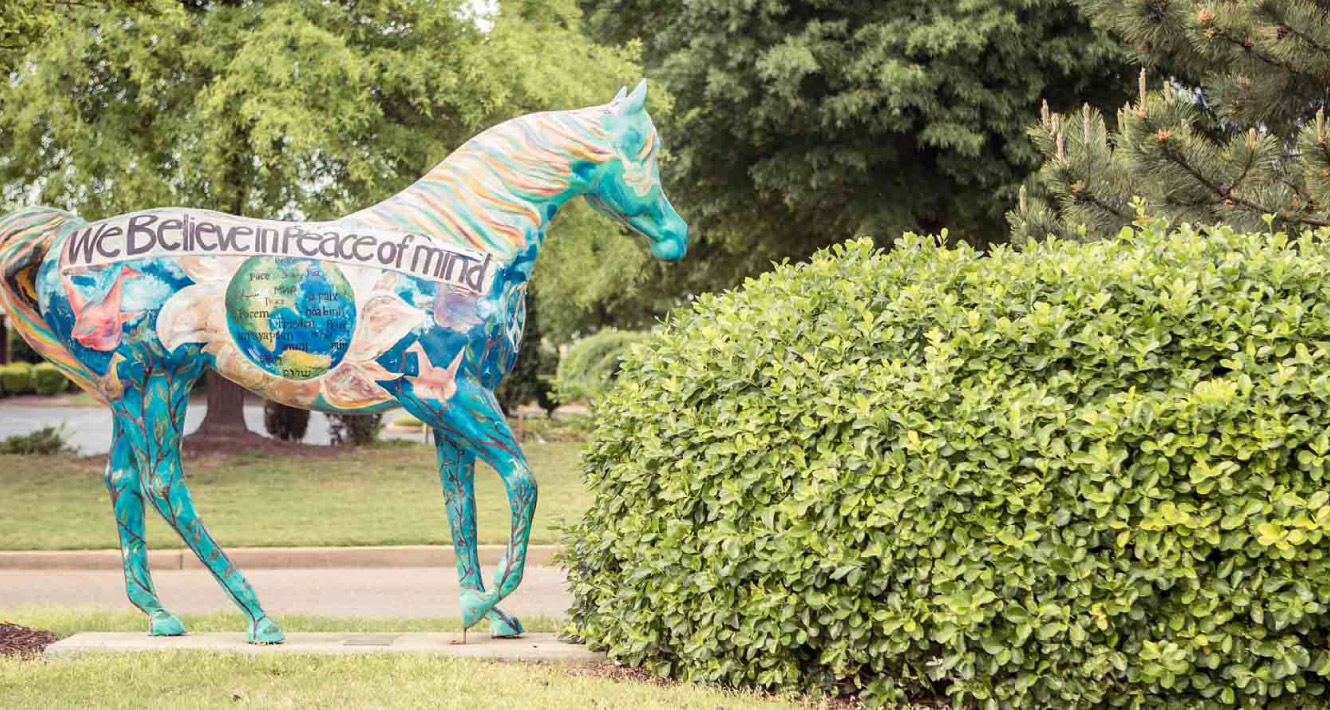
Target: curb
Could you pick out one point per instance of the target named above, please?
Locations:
(272, 558)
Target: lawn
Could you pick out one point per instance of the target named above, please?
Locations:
(383, 495)
(201, 680)
(206, 680)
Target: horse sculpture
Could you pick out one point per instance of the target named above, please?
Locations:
(417, 301)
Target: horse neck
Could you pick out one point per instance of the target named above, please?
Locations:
(497, 193)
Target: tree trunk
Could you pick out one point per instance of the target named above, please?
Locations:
(226, 410)
(225, 420)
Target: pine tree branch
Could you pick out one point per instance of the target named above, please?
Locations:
(1307, 40)
(1225, 196)
(1249, 47)
(1092, 199)
(1246, 169)
(1278, 17)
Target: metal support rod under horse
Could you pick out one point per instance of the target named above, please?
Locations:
(417, 301)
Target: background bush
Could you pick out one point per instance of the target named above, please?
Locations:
(46, 441)
(285, 423)
(48, 380)
(588, 369)
(354, 429)
(1075, 476)
(16, 378)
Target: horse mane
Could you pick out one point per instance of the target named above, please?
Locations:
(489, 193)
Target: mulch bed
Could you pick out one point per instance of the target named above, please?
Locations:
(199, 446)
(18, 640)
(628, 674)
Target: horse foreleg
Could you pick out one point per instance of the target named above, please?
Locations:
(457, 473)
(122, 482)
(474, 418)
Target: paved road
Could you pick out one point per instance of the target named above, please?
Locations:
(361, 593)
(89, 427)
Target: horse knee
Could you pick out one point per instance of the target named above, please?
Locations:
(119, 478)
(527, 480)
(157, 488)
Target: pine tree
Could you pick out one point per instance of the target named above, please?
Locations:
(1235, 129)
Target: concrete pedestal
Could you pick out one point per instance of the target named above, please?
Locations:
(530, 647)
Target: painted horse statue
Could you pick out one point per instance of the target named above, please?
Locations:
(417, 301)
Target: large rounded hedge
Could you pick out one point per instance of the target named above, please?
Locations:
(1073, 476)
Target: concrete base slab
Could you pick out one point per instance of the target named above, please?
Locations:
(529, 647)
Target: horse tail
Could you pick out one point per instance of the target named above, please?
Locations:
(26, 237)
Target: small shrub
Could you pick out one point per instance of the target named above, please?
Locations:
(16, 378)
(46, 441)
(589, 367)
(19, 349)
(1073, 476)
(285, 423)
(406, 420)
(47, 379)
(354, 429)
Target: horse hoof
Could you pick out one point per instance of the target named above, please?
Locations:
(476, 605)
(504, 626)
(166, 626)
(265, 631)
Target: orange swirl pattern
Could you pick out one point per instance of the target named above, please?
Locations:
(25, 238)
(483, 195)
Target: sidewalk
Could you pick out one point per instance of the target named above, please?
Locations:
(409, 581)
(400, 593)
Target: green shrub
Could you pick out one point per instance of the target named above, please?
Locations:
(1073, 476)
(354, 429)
(283, 422)
(16, 378)
(47, 379)
(46, 441)
(588, 369)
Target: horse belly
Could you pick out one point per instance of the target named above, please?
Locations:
(290, 326)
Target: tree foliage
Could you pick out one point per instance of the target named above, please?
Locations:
(287, 108)
(530, 378)
(1233, 130)
(798, 123)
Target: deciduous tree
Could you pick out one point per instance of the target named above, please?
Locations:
(801, 122)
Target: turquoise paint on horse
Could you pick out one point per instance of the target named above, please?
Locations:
(417, 301)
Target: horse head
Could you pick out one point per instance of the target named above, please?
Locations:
(627, 186)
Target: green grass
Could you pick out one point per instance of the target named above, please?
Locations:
(202, 680)
(386, 495)
(207, 680)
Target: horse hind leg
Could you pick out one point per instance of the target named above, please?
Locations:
(122, 482)
(154, 426)
(457, 473)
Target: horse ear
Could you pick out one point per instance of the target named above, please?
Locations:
(623, 91)
(636, 101)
